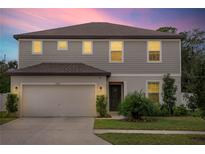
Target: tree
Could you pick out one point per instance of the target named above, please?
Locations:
(169, 91)
(191, 102)
(4, 78)
(13, 64)
(193, 77)
(167, 29)
(198, 85)
(193, 49)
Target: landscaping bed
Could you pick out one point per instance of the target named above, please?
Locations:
(4, 117)
(154, 123)
(152, 139)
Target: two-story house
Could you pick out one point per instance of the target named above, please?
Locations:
(62, 70)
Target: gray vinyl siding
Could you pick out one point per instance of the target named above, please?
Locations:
(135, 56)
(138, 83)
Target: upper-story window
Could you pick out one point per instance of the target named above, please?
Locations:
(116, 52)
(62, 45)
(37, 47)
(153, 90)
(154, 51)
(87, 48)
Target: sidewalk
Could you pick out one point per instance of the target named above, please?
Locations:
(102, 131)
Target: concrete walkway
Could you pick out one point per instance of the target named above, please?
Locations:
(59, 131)
(102, 131)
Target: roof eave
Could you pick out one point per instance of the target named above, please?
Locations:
(56, 74)
(96, 37)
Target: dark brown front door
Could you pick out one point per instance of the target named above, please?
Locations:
(115, 96)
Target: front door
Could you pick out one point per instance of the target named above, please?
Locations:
(115, 95)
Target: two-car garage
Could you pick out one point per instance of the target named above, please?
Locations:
(58, 100)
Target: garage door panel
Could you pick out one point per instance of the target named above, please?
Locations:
(72, 100)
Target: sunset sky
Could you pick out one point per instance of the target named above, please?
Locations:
(14, 21)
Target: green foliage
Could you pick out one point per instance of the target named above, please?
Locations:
(4, 83)
(169, 92)
(196, 113)
(193, 49)
(191, 102)
(12, 64)
(180, 110)
(101, 105)
(135, 105)
(193, 67)
(12, 103)
(167, 29)
(4, 78)
(164, 111)
(199, 86)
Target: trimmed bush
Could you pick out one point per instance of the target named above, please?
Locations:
(101, 105)
(180, 110)
(164, 111)
(135, 105)
(12, 103)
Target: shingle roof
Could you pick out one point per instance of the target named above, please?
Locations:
(97, 30)
(62, 69)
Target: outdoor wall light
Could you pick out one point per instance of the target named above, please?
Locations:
(16, 88)
(100, 88)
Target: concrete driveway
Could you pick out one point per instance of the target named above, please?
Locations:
(49, 131)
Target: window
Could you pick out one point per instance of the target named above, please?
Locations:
(154, 51)
(37, 47)
(87, 48)
(116, 51)
(153, 90)
(62, 45)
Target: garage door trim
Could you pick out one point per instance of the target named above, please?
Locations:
(51, 83)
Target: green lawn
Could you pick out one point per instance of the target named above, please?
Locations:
(156, 139)
(157, 123)
(4, 118)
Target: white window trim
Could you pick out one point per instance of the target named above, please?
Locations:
(110, 61)
(33, 52)
(160, 52)
(160, 86)
(59, 49)
(86, 54)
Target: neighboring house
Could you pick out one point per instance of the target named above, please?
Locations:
(62, 70)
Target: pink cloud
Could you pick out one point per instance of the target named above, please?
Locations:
(16, 23)
(38, 19)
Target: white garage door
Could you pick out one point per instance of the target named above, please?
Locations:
(51, 100)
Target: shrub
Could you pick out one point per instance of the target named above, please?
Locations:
(101, 105)
(191, 101)
(180, 110)
(135, 105)
(164, 111)
(196, 113)
(12, 103)
(169, 91)
(156, 109)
